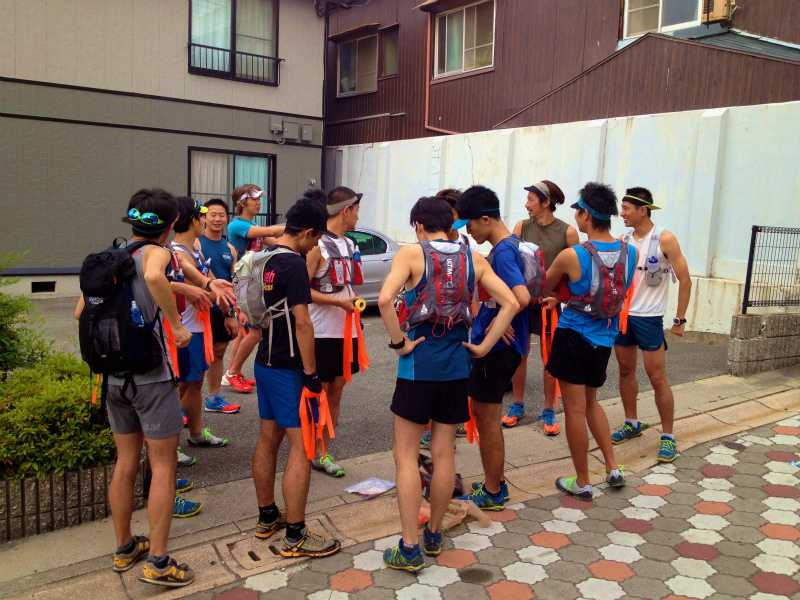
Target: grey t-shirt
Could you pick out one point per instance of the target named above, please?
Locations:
(148, 307)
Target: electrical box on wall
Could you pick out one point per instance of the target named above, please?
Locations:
(290, 130)
(276, 124)
(307, 133)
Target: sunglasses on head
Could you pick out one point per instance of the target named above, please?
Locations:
(148, 218)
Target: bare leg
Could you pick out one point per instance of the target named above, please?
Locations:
(244, 351)
(518, 380)
(665, 401)
(409, 492)
(577, 437)
(296, 477)
(548, 380)
(628, 384)
(444, 475)
(192, 401)
(215, 368)
(160, 505)
(235, 347)
(493, 450)
(265, 460)
(333, 390)
(598, 425)
(120, 492)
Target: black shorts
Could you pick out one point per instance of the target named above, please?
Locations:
(535, 319)
(330, 358)
(491, 375)
(574, 360)
(445, 402)
(218, 331)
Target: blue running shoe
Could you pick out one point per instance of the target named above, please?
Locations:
(432, 542)
(484, 500)
(503, 489)
(217, 403)
(548, 417)
(185, 508)
(515, 414)
(185, 419)
(183, 485)
(626, 432)
(395, 558)
(668, 449)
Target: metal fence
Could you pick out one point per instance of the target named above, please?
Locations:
(773, 268)
(228, 64)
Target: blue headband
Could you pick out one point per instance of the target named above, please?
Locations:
(593, 212)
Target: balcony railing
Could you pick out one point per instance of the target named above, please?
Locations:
(239, 66)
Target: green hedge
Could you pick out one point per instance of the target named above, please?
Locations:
(46, 420)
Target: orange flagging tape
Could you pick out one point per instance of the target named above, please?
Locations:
(363, 359)
(208, 338)
(545, 350)
(173, 349)
(96, 384)
(626, 307)
(471, 427)
(311, 430)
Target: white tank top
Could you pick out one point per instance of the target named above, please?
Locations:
(649, 300)
(329, 320)
(189, 316)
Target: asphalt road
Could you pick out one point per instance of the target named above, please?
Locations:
(365, 423)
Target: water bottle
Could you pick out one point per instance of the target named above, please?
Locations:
(357, 256)
(136, 315)
(205, 267)
(652, 264)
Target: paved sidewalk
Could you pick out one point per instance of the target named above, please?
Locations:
(220, 546)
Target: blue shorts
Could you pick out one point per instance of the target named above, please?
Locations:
(279, 392)
(192, 360)
(645, 332)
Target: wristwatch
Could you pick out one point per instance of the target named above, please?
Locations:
(677, 321)
(231, 313)
(398, 345)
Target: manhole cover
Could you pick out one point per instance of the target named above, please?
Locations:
(475, 575)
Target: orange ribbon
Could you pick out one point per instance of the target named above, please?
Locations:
(471, 427)
(309, 428)
(208, 338)
(545, 351)
(173, 349)
(363, 359)
(626, 307)
(96, 384)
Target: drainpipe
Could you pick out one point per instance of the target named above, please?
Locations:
(322, 181)
(428, 82)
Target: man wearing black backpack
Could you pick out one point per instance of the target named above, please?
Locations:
(152, 412)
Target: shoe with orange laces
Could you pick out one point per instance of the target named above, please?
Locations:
(237, 382)
(548, 418)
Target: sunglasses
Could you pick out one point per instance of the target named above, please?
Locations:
(148, 218)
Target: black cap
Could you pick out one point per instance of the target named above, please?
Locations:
(309, 214)
(476, 201)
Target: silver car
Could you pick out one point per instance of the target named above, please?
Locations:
(377, 251)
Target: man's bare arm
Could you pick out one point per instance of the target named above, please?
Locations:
(273, 231)
(672, 250)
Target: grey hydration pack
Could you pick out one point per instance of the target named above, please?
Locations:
(342, 270)
(533, 265)
(445, 297)
(653, 272)
(606, 295)
(248, 285)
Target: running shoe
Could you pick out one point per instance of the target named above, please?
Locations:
(185, 419)
(310, 545)
(217, 403)
(328, 464)
(548, 417)
(626, 432)
(668, 449)
(124, 561)
(185, 508)
(461, 432)
(172, 575)
(570, 486)
(425, 441)
(183, 485)
(503, 488)
(206, 439)
(250, 382)
(395, 558)
(485, 501)
(515, 414)
(432, 542)
(616, 478)
(237, 382)
(184, 460)
(265, 530)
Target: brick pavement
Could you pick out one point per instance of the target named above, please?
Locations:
(722, 521)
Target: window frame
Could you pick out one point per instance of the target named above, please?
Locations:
(669, 28)
(462, 71)
(272, 214)
(358, 92)
(230, 74)
(382, 51)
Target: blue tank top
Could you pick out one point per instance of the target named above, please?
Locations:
(441, 357)
(221, 258)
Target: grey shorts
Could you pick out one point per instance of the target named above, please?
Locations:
(155, 410)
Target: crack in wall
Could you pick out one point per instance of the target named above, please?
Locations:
(363, 160)
(472, 161)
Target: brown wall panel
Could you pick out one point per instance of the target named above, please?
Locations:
(778, 19)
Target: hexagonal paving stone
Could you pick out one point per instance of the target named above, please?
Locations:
(690, 567)
(781, 467)
(689, 587)
(712, 522)
(771, 583)
(660, 479)
(643, 514)
(782, 503)
(570, 502)
(600, 589)
(781, 517)
(716, 496)
(649, 489)
(438, 576)
(776, 564)
(697, 551)
(785, 440)
(494, 528)
(503, 516)
(565, 527)
(525, 573)
(624, 538)
(471, 541)
(539, 555)
(652, 502)
(734, 566)
(547, 539)
(712, 508)
(457, 559)
(721, 459)
(633, 525)
(702, 536)
(623, 554)
(717, 471)
(782, 456)
(715, 483)
(781, 491)
(371, 560)
(510, 590)
(781, 479)
(418, 591)
(722, 449)
(611, 570)
(351, 580)
(780, 532)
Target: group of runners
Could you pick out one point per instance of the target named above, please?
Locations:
(462, 335)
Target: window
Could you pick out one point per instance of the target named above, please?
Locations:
(216, 173)
(234, 39)
(465, 39)
(390, 41)
(358, 66)
(644, 16)
(368, 244)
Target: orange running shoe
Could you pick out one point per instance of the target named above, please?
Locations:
(515, 414)
(550, 425)
(237, 382)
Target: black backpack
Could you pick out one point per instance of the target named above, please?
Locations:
(111, 343)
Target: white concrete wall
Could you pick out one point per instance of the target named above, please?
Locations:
(715, 173)
(141, 46)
